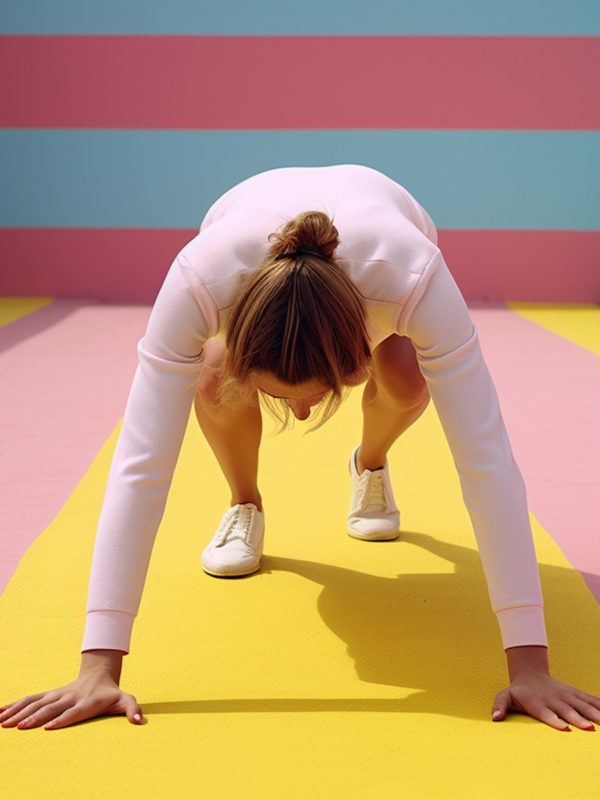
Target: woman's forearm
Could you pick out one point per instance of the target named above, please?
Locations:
(527, 657)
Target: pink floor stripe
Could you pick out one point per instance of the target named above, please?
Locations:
(129, 265)
(66, 371)
(282, 82)
(549, 390)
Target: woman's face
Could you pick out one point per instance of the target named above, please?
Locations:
(300, 397)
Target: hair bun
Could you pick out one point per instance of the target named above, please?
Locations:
(311, 232)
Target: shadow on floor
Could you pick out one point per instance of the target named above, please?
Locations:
(434, 632)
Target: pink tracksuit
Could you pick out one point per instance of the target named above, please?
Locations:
(389, 250)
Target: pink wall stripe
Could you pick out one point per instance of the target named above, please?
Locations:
(122, 265)
(129, 265)
(70, 367)
(549, 390)
(550, 266)
(280, 82)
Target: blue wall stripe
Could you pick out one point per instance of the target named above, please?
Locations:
(345, 17)
(167, 179)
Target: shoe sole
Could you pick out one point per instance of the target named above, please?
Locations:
(375, 537)
(231, 574)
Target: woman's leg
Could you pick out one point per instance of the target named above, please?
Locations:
(233, 431)
(392, 400)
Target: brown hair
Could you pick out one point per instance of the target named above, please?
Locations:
(299, 317)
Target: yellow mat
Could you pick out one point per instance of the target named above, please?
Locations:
(343, 669)
(13, 308)
(577, 322)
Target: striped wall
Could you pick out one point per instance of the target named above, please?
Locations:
(121, 122)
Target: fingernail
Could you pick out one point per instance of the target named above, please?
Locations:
(565, 729)
(496, 714)
(591, 728)
(136, 717)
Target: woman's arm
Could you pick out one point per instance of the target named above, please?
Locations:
(449, 356)
(109, 661)
(527, 657)
(465, 398)
(154, 423)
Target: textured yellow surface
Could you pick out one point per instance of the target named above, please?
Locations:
(577, 322)
(13, 308)
(343, 669)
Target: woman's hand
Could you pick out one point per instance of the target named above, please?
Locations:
(92, 694)
(538, 694)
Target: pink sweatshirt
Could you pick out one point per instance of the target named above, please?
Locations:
(389, 250)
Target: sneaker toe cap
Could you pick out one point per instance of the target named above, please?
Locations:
(371, 526)
(228, 558)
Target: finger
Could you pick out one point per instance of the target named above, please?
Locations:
(501, 705)
(567, 710)
(27, 706)
(551, 718)
(588, 698)
(73, 714)
(23, 710)
(48, 712)
(127, 705)
(133, 710)
(586, 709)
(15, 707)
(32, 708)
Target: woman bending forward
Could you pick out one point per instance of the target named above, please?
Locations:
(302, 282)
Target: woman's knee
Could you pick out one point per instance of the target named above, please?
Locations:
(216, 394)
(210, 377)
(396, 372)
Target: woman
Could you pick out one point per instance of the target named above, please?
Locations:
(318, 278)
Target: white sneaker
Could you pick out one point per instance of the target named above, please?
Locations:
(373, 514)
(236, 548)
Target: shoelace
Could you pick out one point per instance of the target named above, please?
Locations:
(372, 496)
(238, 525)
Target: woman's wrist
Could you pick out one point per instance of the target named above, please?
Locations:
(527, 657)
(109, 661)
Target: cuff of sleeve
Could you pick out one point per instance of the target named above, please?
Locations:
(108, 630)
(522, 625)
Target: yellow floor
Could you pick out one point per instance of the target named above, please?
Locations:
(577, 322)
(13, 308)
(344, 669)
